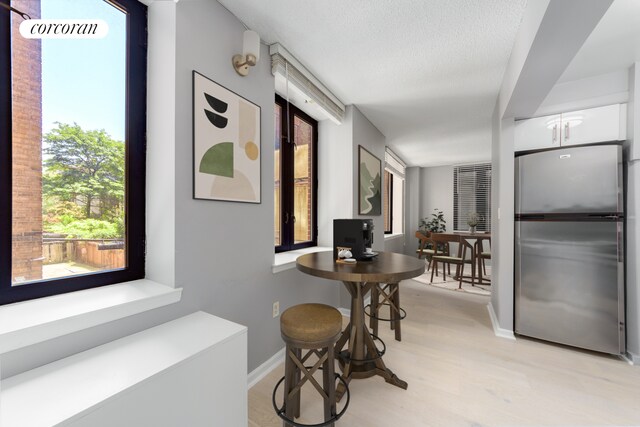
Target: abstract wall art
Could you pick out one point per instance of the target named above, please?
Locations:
(226, 144)
(370, 183)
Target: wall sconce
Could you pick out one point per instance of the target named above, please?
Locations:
(250, 53)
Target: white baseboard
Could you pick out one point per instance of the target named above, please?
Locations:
(263, 370)
(632, 358)
(497, 330)
(347, 311)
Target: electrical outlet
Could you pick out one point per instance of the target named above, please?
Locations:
(276, 308)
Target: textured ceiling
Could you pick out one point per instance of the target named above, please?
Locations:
(612, 46)
(425, 72)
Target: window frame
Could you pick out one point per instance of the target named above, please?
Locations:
(389, 196)
(135, 166)
(287, 238)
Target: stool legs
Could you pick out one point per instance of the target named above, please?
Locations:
(329, 386)
(396, 312)
(293, 366)
(391, 295)
(292, 378)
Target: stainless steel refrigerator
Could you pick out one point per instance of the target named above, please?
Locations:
(569, 261)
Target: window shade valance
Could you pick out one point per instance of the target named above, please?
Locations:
(394, 163)
(285, 66)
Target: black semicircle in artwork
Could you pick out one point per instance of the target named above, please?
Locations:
(216, 104)
(216, 120)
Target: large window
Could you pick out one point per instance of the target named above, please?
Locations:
(388, 202)
(393, 203)
(296, 136)
(472, 196)
(72, 150)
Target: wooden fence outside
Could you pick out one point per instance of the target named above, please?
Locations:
(84, 252)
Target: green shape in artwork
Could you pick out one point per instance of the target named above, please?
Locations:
(218, 160)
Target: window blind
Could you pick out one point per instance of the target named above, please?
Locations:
(284, 65)
(472, 193)
(394, 164)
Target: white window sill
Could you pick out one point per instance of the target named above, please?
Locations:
(393, 236)
(287, 260)
(30, 322)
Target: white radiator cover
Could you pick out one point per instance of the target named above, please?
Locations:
(188, 372)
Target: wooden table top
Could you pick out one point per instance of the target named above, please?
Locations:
(387, 267)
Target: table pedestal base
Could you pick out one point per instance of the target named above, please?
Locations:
(361, 359)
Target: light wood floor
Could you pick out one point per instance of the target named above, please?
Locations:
(460, 374)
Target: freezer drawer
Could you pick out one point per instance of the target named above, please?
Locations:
(570, 180)
(569, 283)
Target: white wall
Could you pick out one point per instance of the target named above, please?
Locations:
(595, 91)
(335, 162)
(161, 111)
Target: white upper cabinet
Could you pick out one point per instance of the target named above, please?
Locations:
(537, 133)
(595, 125)
(588, 126)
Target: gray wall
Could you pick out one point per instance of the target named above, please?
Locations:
(436, 189)
(412, 209)
(223, 251)
(394, 244)
(632, 214)
(367, 135)
(502, 213)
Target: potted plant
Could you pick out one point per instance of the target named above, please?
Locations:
(472, 220)
(436, 223)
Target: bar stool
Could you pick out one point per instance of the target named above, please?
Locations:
(316, 328)
(390, 294)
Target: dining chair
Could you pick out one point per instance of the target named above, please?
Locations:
(441, 254)
(426, 248)
(483, 256)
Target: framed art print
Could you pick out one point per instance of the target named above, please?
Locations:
(226, 144)
(370, 183)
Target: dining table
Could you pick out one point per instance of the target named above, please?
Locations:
(473, 242)
(362, 358)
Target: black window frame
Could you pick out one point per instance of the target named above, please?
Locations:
(135, 166)
(287, 239)
(389, 196)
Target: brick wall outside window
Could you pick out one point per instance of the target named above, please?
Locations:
(27, 149)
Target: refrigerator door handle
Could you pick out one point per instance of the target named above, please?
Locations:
(619, 241)
(554, 134)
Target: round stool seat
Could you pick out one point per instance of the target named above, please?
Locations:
(310, 323)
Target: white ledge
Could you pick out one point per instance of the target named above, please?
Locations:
(287, 260)
(30, 322)
(393, 236)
